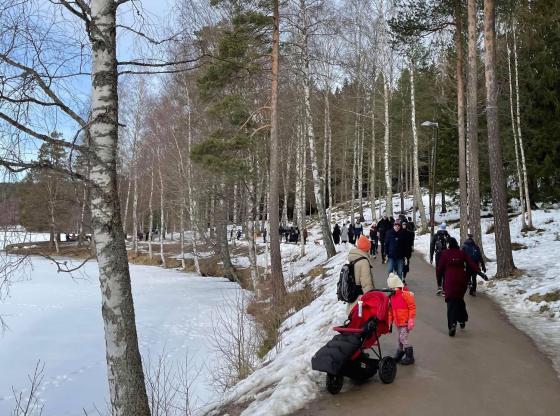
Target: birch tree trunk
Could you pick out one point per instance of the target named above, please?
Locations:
(135, 213)
(472, 130)
(463, 197)
(221, 235)
(354, 172)
(515, 141)
(161, 213)
(372, 154)
(388, 176)
(126, 206)
(318, 180)
(127, 389)
(151, 215)
(520, 137)
(192, 203)
(504, 255)
(329, 160)
(278, 286)
(418, 202)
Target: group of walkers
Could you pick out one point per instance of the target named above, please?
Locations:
(456, 271)
(395, 236)
(292, 234)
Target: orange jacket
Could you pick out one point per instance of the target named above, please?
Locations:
(403, 307)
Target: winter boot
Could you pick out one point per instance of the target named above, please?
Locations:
(399, 355)
(452, 330)
(408, 356)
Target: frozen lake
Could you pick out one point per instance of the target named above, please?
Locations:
(56, 318)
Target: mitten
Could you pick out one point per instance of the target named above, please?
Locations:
(411, 324)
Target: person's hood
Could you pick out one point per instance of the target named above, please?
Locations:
(355, 254)
(469, 242)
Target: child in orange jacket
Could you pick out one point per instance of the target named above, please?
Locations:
(402, 314)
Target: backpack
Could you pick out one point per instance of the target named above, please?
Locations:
(473, 252)
(346, 289)
(441, 242)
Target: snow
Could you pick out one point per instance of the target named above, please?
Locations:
(56, 318)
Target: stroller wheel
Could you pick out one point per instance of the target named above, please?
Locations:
(387, 369)
(334, 383)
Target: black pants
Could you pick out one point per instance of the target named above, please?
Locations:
(439, 279)
(373, 249)
(456, 312)
(472, 280)
(383, 248)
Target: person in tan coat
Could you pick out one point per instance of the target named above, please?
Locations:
(363, 269)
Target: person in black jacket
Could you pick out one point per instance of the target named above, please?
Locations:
(351, 235)
(336, 234)
(409, 248)
(396, 246)
(473, 251)
(382, 227)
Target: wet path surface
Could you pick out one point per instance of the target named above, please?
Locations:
(489, 368)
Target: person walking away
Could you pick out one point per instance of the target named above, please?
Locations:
(383, 226)
(358, 231)
(351, 235)
(395, 248)
(451, 267)
(473, 251)
(239, 234)
(438, 244)
(411, 226)
(344, 234)
(336, 234)
(305, 236)
(363, 269)
(402, 314)
(409, 236)
(374, 239)
(264, 235)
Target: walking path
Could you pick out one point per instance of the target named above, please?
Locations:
(489, 368)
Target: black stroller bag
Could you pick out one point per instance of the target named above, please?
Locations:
(336, 353)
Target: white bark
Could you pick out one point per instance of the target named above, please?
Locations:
(520, 136)
(126, 205)
(151, 210)
(515, 141)
(388, 176)
(372, 154)
(417, 194)
(161, 212)
(127, 390)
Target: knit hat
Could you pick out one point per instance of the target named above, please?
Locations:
(363, 244)
(442, 226)
(393, 281)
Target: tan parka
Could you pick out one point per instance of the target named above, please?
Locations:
(363, 272)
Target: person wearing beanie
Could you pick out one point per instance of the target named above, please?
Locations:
(402, 314)
(363, 266)
(382, 227)
(438, 245)
(396, 247)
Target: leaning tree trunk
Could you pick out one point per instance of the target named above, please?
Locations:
(318, 180)
(520, 137)
(463, 198)
(504, 255)
(388, 176)
(126, 377)
(472, 129)
(515, 141)
(277, 277)
(126, 205)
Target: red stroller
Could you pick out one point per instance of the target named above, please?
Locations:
(345, 354)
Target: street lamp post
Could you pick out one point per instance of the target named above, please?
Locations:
(435, 125)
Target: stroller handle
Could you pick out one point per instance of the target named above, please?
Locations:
(384, 290)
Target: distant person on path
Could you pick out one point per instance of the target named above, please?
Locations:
(395, 248)
(402, 314)
(438, 245)
(451, 267)
(473, 251)
(305, 236)
(363, 270)
(344, 234)
(383, 226)
(409, 248)
(336, 234)
(351, 235)
(374, 238)
(358, 231)
(264, 236)
(239, 234)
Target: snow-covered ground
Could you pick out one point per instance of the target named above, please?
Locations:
(55, 318)
(285, 382)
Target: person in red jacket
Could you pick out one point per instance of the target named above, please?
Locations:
(402, 314)
(451, 267)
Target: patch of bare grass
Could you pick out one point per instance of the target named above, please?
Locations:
(547, 297)
(515, 246)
